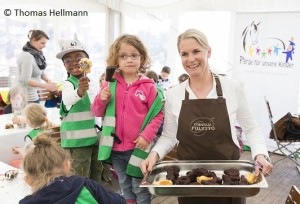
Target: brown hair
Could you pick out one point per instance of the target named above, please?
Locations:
(112, 59)
(152, 75)
(36, 35)
(36, 114)
(44, 162)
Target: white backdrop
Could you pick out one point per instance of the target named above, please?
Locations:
(267, 60)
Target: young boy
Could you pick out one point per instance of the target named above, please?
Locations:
(78, 133)
(163, 79)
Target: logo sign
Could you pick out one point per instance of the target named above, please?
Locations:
(200, 126)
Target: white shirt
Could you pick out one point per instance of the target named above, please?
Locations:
(238, 111)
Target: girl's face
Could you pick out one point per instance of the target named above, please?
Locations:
(129, 59)
(39, 44)
(16, 101)
(194, 57)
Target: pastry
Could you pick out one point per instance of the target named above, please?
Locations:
(204, 178)
(172, 173)
(164, 182)
(85, 65)
(9, 126)
(250, 177)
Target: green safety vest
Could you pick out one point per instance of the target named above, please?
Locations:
(77, 126)
(108, 130)
(34, 133)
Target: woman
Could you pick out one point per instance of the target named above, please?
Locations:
(31, 65)
(206, 96)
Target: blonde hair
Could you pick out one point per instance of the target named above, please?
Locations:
(45, 161)
(194, 34)
(112, 59)
(36, 114)
(15, 91)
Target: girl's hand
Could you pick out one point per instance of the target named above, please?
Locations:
(141, 143)
(17, 120)
(105, 94)
(83, 86)
(16, 150)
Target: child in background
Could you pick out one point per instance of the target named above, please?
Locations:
(163, 78)
(102, 79)
(77, 130)
(153, 75)
(17, 98)
(47, 169)
(36, 118)
(125, 103)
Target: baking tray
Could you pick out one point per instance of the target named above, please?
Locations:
(244, 166)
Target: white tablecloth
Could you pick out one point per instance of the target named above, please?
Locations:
(12, 191)
(15, 137)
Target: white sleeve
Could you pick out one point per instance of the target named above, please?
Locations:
(250, 127)
(167, 140)
(69, 94)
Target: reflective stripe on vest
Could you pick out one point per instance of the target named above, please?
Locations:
(109, 121)
(78, 134)
(78, 116)
(107, 141)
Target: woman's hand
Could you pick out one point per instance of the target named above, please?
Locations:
(105, 94)
(51, 87)
(262, 164)
(147, 164)
(141, 143)
(83, 86)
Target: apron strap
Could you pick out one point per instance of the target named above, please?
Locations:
(218, 88)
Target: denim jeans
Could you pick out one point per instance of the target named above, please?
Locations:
(129, 185)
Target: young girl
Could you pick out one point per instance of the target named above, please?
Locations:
(47, 167)
(36, 118)
(125, 103)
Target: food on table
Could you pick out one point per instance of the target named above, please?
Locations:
(9, 126)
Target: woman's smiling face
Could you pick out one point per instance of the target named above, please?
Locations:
(194, 57)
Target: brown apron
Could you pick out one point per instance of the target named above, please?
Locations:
(204, 133)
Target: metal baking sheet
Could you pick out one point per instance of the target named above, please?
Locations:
(244, 166)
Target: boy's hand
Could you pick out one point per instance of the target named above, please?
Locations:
(83, 86)
(105, 94)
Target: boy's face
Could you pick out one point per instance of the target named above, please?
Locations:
(71, 62)
(164, 75)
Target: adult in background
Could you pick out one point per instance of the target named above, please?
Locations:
(31, 65)
(219, 102)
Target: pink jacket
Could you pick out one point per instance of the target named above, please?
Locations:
(132, 104)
